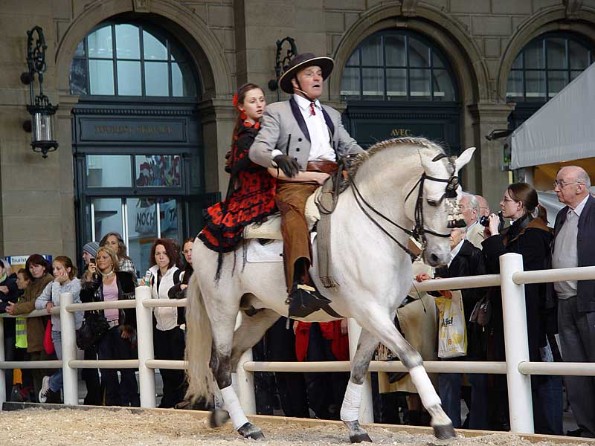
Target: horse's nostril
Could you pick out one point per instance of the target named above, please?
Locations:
(434, 258)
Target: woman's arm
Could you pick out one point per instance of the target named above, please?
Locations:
(45, 297)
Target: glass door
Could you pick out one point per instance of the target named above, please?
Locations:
(139, 220)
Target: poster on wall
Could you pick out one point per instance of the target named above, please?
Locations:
(18, 262)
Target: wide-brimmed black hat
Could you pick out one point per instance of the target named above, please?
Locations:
(300, 62)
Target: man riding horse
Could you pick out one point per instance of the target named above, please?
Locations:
(300, 141)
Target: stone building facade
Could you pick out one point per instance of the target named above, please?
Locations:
(230, 42)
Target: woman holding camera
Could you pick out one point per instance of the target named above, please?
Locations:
(529, 236)
(103, 281)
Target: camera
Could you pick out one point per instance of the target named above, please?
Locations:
(485, 221)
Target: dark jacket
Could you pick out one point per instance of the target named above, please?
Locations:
(10, 296)
(468, 262)
(586, 254)
(531, 238)
(92, 291)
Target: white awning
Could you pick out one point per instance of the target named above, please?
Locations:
(562, 130)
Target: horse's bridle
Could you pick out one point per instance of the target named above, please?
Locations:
(419, 230)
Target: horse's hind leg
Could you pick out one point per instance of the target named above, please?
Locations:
(353, 394)
(221, 362)
(250, 331)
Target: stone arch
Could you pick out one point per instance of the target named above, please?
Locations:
(554, 19)
(470, 72)
(201, 43)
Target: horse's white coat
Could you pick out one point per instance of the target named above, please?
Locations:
(373, 273)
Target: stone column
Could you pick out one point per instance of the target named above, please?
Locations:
(218, 120)
(490, 178)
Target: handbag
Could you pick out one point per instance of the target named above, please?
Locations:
(93, 329)
(482, 312)
(452, 332)
(48, 343)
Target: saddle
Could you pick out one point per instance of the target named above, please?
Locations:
(270, 229)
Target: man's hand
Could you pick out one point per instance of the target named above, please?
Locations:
(287, 164)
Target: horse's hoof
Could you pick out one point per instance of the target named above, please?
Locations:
(358, 438)
(248, 430)
(218, 418)
(444, 432)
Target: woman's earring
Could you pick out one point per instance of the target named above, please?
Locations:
(243, 115)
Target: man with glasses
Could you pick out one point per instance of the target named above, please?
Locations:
(574, 239)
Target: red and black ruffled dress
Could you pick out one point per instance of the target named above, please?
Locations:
(250, 198)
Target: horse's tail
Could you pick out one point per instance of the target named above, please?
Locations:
(199, 341)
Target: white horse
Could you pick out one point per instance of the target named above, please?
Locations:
(395, 187)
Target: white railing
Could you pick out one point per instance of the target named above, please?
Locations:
(517, 368)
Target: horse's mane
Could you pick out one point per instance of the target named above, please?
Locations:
(418, 143)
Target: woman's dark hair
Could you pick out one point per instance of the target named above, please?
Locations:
(170, 250)
(67, 263)
(526, 194)
(241, 97)
(121, 246)
(37, 260)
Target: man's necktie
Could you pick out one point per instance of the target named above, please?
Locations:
(312, 109)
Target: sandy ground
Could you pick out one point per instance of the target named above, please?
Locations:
(38, 426)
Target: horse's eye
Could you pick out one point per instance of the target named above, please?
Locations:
(433, 203)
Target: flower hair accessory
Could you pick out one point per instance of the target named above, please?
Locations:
(235, 100)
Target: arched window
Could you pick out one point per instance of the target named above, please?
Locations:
(137, 139)
(397, 66)
(126, 59)
(546, 65)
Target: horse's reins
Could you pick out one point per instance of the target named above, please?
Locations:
(419, 231)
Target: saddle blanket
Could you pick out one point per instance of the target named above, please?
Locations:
(268, 252)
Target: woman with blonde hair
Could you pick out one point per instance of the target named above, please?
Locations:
(104, 281)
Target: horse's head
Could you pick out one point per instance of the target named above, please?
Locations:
(436, 210)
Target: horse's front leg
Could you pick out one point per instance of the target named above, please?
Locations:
(221, 364)
(353, 394)
(411, 359)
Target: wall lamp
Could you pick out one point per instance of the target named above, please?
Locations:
(498, 133)
(41, 109)
(282, 61)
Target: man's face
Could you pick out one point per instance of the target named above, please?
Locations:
(567, 189)
(310, 81)
(469, 214)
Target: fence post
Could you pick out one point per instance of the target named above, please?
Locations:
(144, 336)
(68, 336)
(516, 345)
(366, 409)
(245, 384)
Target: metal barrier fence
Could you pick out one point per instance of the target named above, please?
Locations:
(517, 368)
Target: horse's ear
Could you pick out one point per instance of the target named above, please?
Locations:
(464, 158)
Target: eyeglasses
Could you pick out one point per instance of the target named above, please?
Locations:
(562, 184)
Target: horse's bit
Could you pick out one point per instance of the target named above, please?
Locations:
(419, 231)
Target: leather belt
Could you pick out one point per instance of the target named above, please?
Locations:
(325, 166)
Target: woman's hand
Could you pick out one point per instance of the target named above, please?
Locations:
(422, 277)
(62, 278)
(4, 289)
(49, 307)
(494, 223)
(10, 307)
